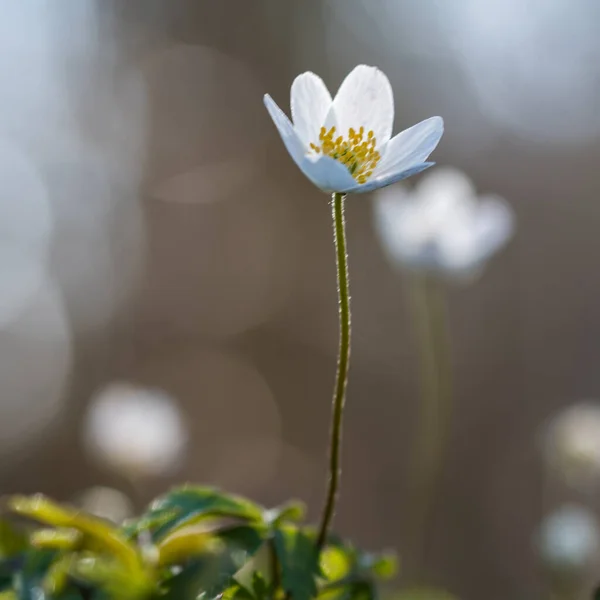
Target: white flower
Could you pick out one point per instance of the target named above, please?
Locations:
(343, 145)
(569, 539)
(441, 226)
(138, 432)
(571, 445)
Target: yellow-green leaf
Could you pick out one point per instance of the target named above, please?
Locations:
(12, 541)
(44, 510)
(185, 544)
(56, 539)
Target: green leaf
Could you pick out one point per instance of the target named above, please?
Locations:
(56, 539)
(260, 587)
(97, 531)
(363, 590)
(384, 566)
(191, 504)
(28, 581)
(237, 592)
(337, 562)
(12, 541)
(186, 544)
(299, 561)
(8, 569)
(213, 574)
(293, 511)
(241, 544)
(110, 576)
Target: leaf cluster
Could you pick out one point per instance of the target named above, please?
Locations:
(195, 542)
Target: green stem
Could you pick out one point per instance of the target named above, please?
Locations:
(274, 565)
(436, 403)
(339, 395)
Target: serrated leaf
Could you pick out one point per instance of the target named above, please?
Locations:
(299, 561)
(190, 504)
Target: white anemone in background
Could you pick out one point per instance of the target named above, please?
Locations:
(345, 144)
(441, 226)
(569, 541)
(571, 445)
(135, 431)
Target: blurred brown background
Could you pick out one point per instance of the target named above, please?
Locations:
(181, 248)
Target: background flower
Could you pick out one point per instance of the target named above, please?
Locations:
(137, 432)
(571, 445)
(441, 225)
(568, 543)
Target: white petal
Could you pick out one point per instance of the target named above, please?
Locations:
(324, 171)
(399, 222)
(364, 99)
(458, 250)
(286, 130)
(310, 102)
(450, 184)
(327, 173)
(384, 180)
(411, 146)
(468, 244)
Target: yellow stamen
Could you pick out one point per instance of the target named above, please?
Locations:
(354, 151)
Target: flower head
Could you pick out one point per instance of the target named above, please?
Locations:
(441, 226)
(571, 445)
(138, 432)
(569, 539)
(345, 144)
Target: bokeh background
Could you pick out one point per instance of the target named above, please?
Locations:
(154, 231)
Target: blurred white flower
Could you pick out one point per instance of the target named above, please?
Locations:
(345, 144)
(441, 226)
(568, 540)
(106, 503)
(571, 445)
(137, 432)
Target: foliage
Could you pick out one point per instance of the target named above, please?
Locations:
(193, 542)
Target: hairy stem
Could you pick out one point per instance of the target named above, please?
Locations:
(339, 395)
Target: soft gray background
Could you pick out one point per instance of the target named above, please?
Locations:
(190, 254)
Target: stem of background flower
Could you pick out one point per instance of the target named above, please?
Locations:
(339, 395)
(435, 405)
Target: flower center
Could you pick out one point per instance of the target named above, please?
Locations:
(355, 151)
